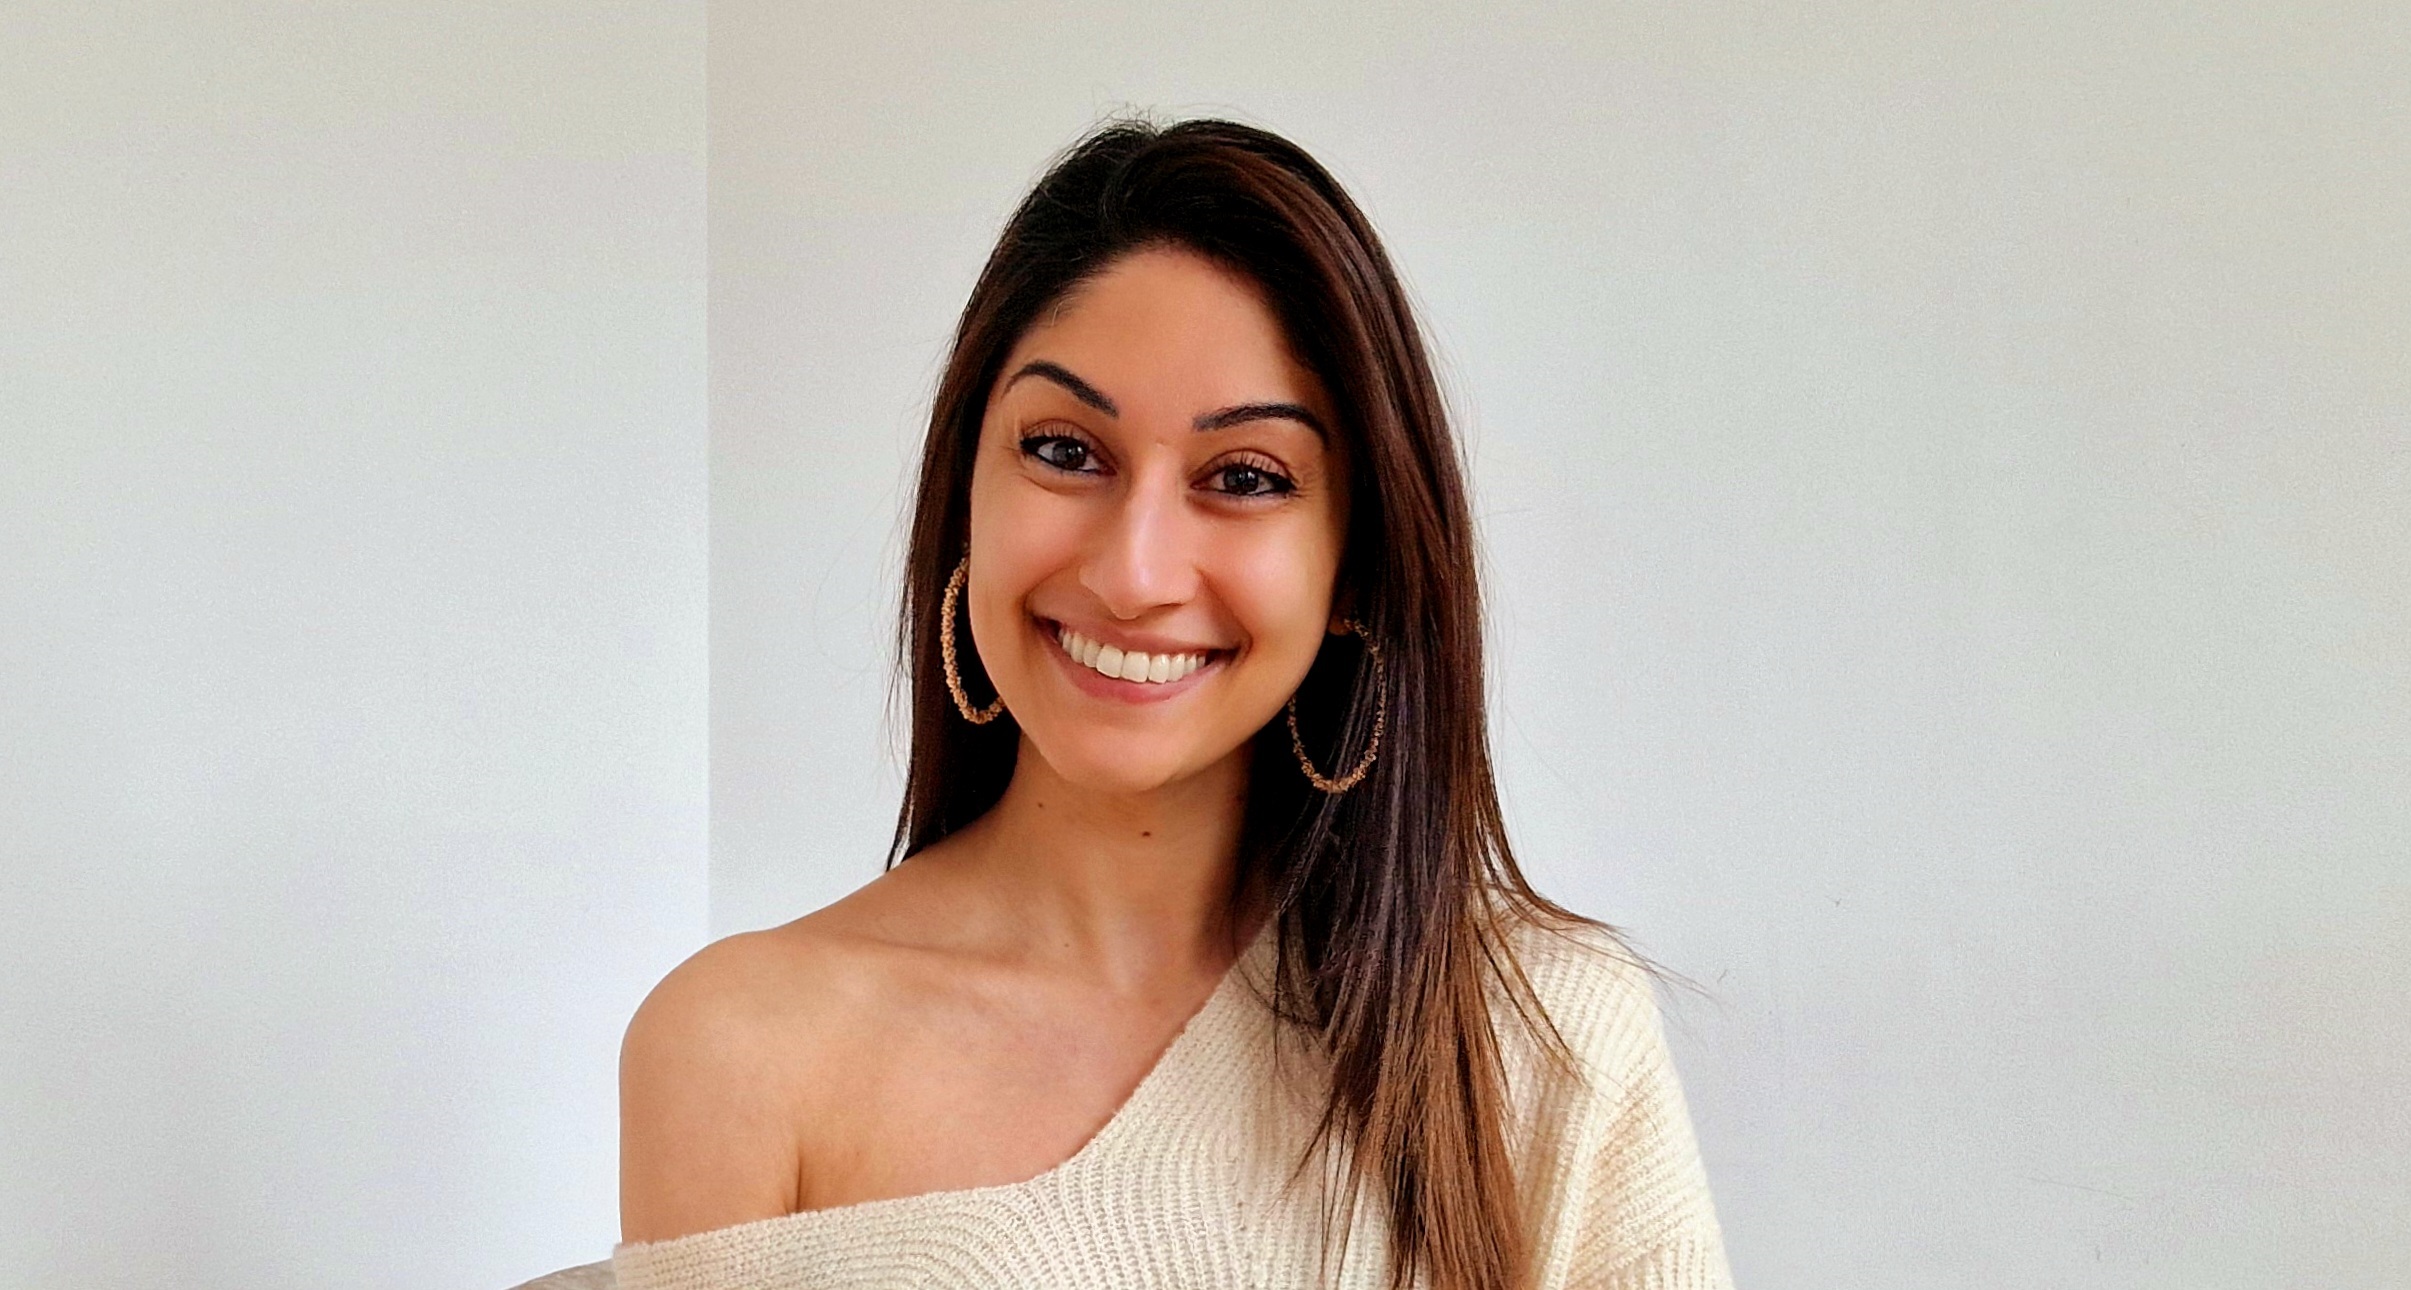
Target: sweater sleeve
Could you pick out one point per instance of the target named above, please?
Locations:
(1642, 1217)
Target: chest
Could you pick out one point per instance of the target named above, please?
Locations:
(1190, 1184)
(973, 1090)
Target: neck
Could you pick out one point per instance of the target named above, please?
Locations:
(1128, 887)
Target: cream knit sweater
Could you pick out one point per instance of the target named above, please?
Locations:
(1187, 1187)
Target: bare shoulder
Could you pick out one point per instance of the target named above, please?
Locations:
(707, 1090)
(735, 1007)
(729, 1059)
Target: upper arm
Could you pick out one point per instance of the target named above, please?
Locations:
(707, 1102)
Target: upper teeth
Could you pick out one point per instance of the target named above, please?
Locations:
(1128, 665)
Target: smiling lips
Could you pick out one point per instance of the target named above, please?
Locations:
(1128, 665)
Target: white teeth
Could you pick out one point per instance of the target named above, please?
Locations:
(1128, 665)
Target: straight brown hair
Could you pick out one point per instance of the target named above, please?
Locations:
(1393, 902)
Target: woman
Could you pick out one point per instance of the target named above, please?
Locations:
(1201, 959)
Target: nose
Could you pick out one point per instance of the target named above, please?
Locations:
(1144, 553)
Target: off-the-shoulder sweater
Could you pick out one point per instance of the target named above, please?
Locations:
(1192, 1184)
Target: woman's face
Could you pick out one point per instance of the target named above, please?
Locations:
(1157, 511)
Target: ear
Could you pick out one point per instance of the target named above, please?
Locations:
(1343, 608)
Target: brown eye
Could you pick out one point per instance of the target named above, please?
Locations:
(1241, 479)
(1062, 452)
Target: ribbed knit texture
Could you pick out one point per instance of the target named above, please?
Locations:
(1189, 1185)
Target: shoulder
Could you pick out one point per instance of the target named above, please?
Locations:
(1630, 1204)
(753, 1017)
(721, 1068)
(1594, 991)
(768, 1058)
(708, 1089)
(732, 1003)
(1583, 973)
(752, 1012)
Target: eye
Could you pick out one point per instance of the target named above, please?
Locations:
(1250, 479)
(1060, 451)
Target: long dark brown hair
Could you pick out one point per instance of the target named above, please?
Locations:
(1392, 901)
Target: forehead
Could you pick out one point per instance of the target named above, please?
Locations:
(1170, 330)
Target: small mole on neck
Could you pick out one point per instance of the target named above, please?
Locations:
(1146, 833)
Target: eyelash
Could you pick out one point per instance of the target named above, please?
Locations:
(1280, 485)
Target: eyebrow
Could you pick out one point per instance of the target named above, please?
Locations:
(1246, 412)
(1080, 389)
(1237, 414)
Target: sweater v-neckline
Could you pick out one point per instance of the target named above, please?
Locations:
(1164, 1071)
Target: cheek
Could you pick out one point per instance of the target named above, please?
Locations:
(1021, 533)
(1279, 586)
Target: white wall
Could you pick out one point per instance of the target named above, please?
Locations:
(1947, 480)
(352, 659)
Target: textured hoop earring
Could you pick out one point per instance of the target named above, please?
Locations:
(954, 679)
(1381, 708)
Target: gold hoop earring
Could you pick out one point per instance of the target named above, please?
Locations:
(954, 679)
(1381, 707)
